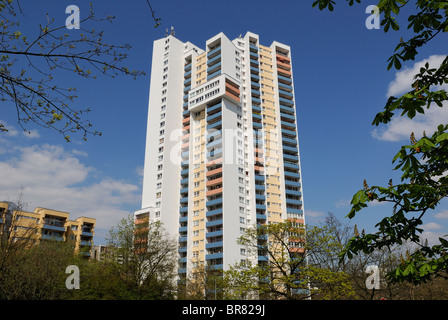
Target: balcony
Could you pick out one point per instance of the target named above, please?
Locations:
(287, 116)
(184, 200)
(216, 244)
(52, 237)
(291, 157)
(214, 143)
(214, 108)
(214, 116)
(286, 101)
(293, 202)
(215, 212)
(53, 227)
(213, 234)
(217, 73)
(214, 152)
(214, 202)
(218, 255)
(214, 68)
(288, 132)
(183, 209)
(256, 100)
(212, 53)
(215, 125)
(285, 80)
(213, 223)
(290, 149)
(260, 197)
(291, 183)
(284, 86)
(286, 108)
(214, 192)
(214, 60)
(294, 211)
(289, 165)
(213, 172)
(257, 125)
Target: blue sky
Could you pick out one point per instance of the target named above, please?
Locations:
(341, 82)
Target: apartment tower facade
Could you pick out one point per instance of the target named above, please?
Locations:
(222, 151)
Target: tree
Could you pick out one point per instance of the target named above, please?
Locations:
(423, 163)
(145, 258)
(28, 64)
(292, 268)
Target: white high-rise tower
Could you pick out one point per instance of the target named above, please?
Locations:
(222, 152)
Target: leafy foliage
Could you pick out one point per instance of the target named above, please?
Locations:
(423, 163)
(28, 64)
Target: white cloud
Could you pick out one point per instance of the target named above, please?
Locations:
(405, 77)
(400, 128)
(51, 177)
(432, 226)
(441, 215)
(14, 132)
(343, 203)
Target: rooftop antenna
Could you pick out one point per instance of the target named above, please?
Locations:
(166, 32)
(172, 31)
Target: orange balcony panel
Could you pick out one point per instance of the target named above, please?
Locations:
(282, 58)
(186, 120)
(298, 250)
(186, 144)
(232, 88)
(213, 162)
(237, 98)
(296, 220)
(212, 172)
(258, 168)
(258, 159)
(213, 192)
(185, 136)
(282, 65)
(214, 182)
(284, 72)
(258, 151)
(186, 128)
